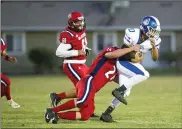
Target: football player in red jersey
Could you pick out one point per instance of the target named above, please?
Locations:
(5, 81)
(73, 48)
(101, 71)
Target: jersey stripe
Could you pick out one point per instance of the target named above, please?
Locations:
(75, 74)
(4, 83)
(127, 39)
(100, 63)
(131, 67)
(68, 32)
(2, 41)
(86, 91)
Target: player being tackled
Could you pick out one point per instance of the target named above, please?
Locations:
(130, 71)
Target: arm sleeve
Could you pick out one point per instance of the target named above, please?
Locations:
(3, 45)
(127, 38)
(63, 51)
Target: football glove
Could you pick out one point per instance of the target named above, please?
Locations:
(87, 51)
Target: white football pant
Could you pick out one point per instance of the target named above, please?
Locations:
(130, 74)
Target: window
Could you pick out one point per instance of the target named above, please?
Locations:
(168, 43)
(102, 40)
(16, 43)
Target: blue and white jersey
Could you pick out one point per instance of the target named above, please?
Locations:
(133, 37)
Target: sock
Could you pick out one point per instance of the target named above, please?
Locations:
(61, 95)
(10, 101)
(70, 115)
(65, 106)
(109, 110)
(115, 102)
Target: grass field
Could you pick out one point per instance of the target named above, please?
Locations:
(155, 103)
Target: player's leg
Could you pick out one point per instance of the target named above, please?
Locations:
(6, 91)
(84, 114)
(135, 73)
(85, 94)
(128, 77)
(106, 116)
(85, 69)
(86, 110)
(74, 72)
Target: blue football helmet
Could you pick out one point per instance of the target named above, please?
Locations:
(150, 25)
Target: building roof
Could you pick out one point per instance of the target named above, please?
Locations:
(47, 15)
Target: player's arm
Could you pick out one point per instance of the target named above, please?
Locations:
(63, 51)
(64, 48)
(154, 50)
(120, 52)
(7, 57)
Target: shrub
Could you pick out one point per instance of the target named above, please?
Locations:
(43, 59)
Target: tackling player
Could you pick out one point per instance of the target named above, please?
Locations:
(131, 73)
(101, 71)
(5, 81)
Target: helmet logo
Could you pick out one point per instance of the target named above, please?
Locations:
(146, 21)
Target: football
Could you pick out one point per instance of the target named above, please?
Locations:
(136, 56)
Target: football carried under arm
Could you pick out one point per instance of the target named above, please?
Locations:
(137, 57)
(154, 51)
(63, 51)
(120, 52)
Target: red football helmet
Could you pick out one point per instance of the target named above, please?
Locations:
(76, 20)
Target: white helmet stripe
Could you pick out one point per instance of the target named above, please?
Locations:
(157, 21)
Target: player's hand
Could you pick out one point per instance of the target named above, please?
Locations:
(152, 41)
(11, 59)
(87, 51)
(81, 52)
(136, 48)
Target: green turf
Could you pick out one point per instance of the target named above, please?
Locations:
(155, 103)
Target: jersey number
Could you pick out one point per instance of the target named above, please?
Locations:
(110, 72)
(131, 30)
(63, 40)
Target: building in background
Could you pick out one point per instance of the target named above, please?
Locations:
(26, 25)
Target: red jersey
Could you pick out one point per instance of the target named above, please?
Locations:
(102, 69)
(3, 45)
(77, 40)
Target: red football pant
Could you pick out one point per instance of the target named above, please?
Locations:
(5, 87)
(85, 94)
(75, 71)
(85, 101)
(85, 112)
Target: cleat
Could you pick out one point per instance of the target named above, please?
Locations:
(54, 99)
(106, 118)
(94, 116)
(13, 104)
(50, 116)
(120, 96)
